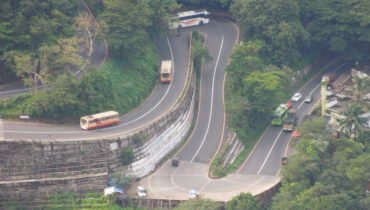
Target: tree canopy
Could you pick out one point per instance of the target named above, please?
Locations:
(294, 28)
(244, 201)
(253, 89)
(326, 173)
(201, 204)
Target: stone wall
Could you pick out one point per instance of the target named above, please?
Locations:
(30, 170)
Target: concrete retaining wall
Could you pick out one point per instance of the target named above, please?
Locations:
(31, 170)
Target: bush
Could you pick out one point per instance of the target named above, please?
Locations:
(139, 138)
(127, 155)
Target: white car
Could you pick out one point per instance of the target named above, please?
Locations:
(141, 191)
(296, 97)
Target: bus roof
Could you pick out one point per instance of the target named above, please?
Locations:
(100, 115)
(281, 109)
(192, 12)
(166, 66)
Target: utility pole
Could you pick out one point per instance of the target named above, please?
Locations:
(324, 83)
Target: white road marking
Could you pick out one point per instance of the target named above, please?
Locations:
(268, 155)
(213, 84)
(335, 70)
(160, 101)
(308, 94)
(1, 129)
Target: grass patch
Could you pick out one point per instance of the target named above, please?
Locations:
(132, 83)
(75, 201)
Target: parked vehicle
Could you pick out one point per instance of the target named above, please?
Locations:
(296, 97)
(141, 191)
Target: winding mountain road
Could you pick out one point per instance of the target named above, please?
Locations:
(261, 170)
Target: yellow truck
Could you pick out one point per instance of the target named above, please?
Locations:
(290, 121)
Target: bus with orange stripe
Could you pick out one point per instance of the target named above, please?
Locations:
(99, 120)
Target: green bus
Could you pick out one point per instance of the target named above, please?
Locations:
(280, 114)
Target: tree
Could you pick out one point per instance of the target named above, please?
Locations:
(264, 90)
(245, 59)
(352, 122)
(139, 138)
(314, 129)
(349, 35)
(127, 155)
(199, 52)
(127, 31)
(242, 201)
(200, 204)
(359, 90)
(59, 59)
(277, 23)
(162, 10)
(121, 179)
(91, 31)
(26, 66)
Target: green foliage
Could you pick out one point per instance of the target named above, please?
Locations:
(292, 29)
(116, 85)
(161, 12)
(139, 138)
(350, 33)
(217, 167)
(96, 6)
(253, 90)
(27, 25)
(79, 201)
(121, 179)
(333, 175)
(207, 3)
(127, 155)
(275, 22)
(127, 33)
(200, 204)
(199, 52)
(242, 202)
(352, 123)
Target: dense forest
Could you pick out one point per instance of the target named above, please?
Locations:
(280, 37)
(326, 172)
(41, 42)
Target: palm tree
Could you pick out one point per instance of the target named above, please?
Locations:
(351, 123)
(360, 88)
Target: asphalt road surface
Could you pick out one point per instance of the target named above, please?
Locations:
(258, 174)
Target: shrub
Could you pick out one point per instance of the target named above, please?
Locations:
(127, 155)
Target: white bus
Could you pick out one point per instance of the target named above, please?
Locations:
(99, 120)
(189, 18)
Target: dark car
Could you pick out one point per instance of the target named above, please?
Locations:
(175, 162)
(284, 161)
(309, 99)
